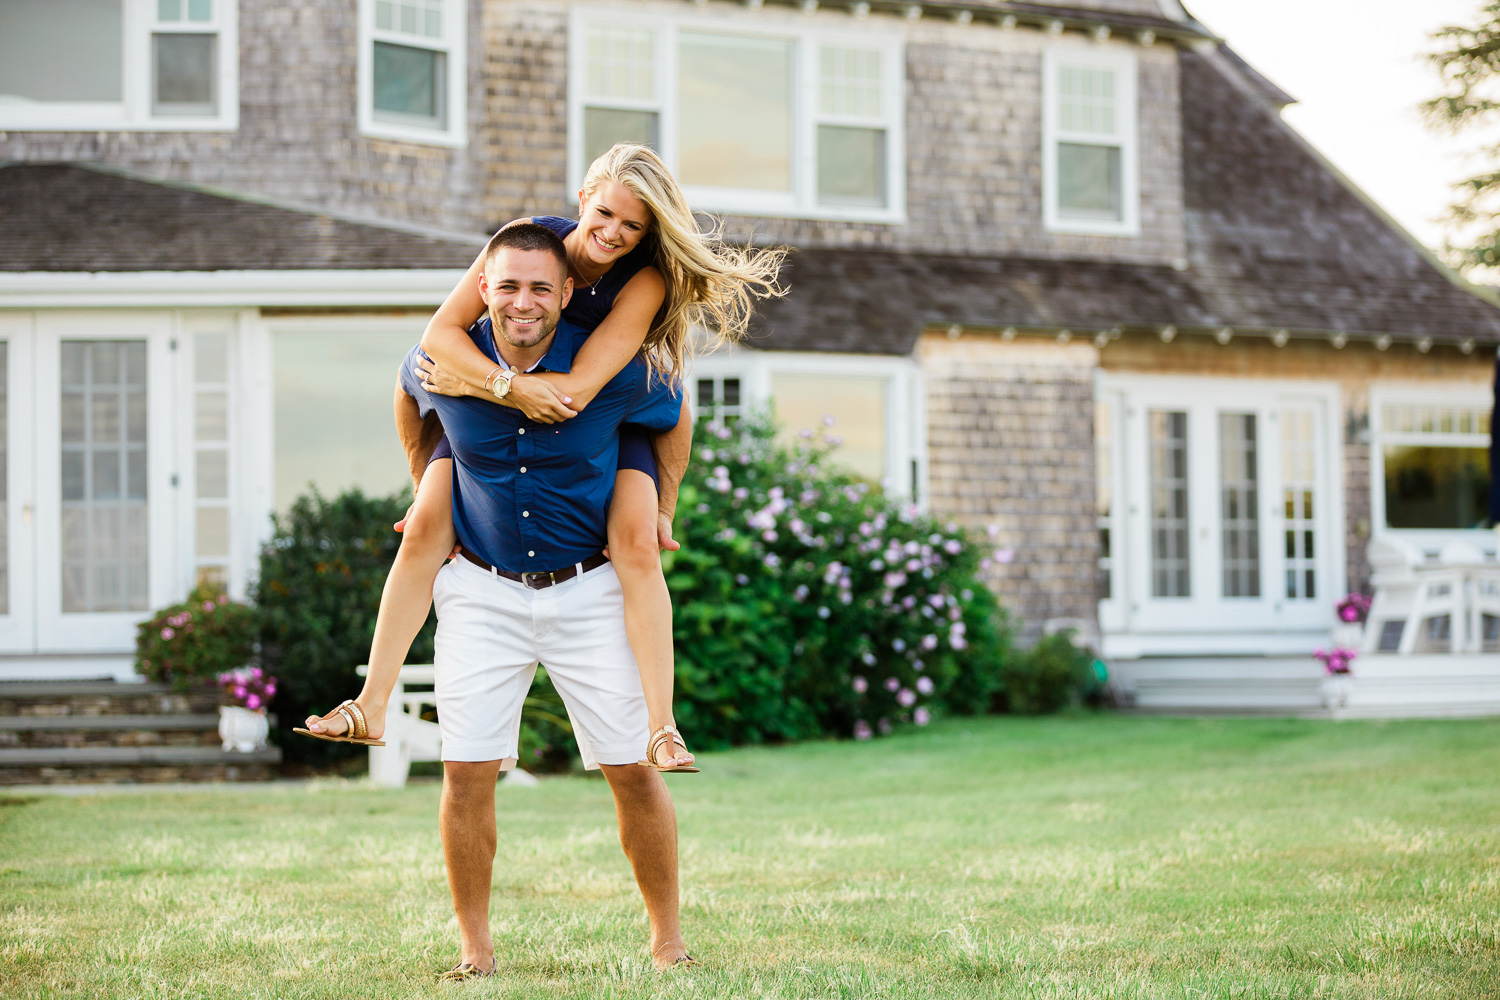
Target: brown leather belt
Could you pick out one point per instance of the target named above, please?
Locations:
(539, 581)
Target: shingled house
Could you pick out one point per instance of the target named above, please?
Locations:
(1059, 268)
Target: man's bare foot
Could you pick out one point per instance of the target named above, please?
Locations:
(670, 952)
(333, 723)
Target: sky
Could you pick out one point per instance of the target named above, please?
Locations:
(1356, 69)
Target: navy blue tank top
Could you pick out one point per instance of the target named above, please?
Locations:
(590, 305)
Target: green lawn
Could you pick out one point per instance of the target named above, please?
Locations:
(1074, 857)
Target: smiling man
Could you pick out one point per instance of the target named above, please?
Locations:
(529, 508)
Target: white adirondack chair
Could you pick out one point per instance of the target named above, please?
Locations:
(408, 736)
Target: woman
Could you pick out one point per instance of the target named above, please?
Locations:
(643, 276)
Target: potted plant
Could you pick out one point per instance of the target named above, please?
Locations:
(243, 725)
(1352, 612)
(1339, 670)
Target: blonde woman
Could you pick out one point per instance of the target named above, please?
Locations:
(643, 276)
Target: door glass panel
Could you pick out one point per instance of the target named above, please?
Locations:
(1239, 504)
(1298, 486)
(103, 488)
(1103, 495)
(1170, 560)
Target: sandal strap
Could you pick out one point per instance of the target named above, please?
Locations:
(361, 727)
(664, 734)
(343, 713)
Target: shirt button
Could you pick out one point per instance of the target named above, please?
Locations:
(523, 468)
(531, 553)
(521, 431)
(525, 513)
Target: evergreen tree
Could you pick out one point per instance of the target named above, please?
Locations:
(1468, 62)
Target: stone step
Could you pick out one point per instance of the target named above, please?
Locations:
(147, 764)
(101, 698)
(17, 723)
(60, 731)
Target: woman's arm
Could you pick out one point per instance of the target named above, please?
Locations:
(446, 339)
(611, 346)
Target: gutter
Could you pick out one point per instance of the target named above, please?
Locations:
(226, 289)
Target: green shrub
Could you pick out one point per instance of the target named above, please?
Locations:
(195, 641)
(1053, 674)
(808, 603)
(318, 594)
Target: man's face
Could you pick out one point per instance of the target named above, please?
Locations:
(525, 291)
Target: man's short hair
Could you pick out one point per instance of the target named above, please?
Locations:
(527, 236)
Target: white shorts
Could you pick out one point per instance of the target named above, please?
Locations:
(491, 634)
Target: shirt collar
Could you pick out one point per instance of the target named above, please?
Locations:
(559, 357)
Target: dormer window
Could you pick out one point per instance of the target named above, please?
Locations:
(116, 65)
(1089, 156)
(770, 117)
(412, 74)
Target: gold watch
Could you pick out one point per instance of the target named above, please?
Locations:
(501, 386)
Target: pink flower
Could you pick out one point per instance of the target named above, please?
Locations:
(223, 598)
(253, 701)
(860, 685)
(862, 730)
(167, 633)
(1005, 555)
(924, 685)
(884, 725)
(907, 697)
(921, 716)
(892, 684)
(929, 642)
(209, 605)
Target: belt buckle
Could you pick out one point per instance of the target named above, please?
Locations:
(528, 578)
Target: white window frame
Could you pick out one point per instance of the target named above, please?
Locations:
(905, 399)
(133, 112)
(453, 44)
(1448, 395)
(1122, 62)
(806, 39)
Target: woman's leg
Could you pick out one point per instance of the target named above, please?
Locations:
(425, 544)
(648, 607)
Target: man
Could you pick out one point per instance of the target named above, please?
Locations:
(529, 508)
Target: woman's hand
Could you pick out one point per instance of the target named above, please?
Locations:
(539, 399)
(434, 379)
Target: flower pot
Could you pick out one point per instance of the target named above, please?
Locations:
(243, 729)
(1335, 691)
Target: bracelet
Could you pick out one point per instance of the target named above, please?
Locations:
(490, 376)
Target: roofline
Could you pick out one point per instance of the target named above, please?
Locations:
(1236, 79)
(251, 198)
(237, 289)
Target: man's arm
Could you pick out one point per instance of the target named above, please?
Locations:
(673, 449)
(418, 436)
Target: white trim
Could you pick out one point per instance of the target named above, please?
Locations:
(18, 624)
(1437, 395)
(193, 289)
(1122, 61)
(133, 112)
(806, 38)
(905, 430)
(453, 45)
(98, 666)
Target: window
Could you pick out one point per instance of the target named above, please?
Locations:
(1171, 574)
(412, 75)
(68, 65)
(782, 121)
(1089, 168)
(1299, 488)
(1433, 462)
(211, 465)
(718, 398)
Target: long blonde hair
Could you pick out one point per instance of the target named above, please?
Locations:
(710, 283)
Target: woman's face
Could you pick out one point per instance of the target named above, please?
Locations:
(612, 222)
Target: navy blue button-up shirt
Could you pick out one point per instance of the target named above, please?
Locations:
(530, 497)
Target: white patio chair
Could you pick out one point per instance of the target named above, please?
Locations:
(408, 737)
(1393, 564)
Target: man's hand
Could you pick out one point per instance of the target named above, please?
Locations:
(540, 400)
(664, 533)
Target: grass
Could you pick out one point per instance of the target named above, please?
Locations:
(1038, 858)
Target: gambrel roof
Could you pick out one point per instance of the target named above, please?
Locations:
(82, 218)
(1277, 240)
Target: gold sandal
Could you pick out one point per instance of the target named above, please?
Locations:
(465, 971)
(666, 734)
(356, 731)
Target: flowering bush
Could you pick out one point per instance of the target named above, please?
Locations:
(1338, 660)
(195, 640)
(808, 603)
(1355, 608)
(248, 687)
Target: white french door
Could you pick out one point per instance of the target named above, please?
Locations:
(17, 490)
(1227, 536)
